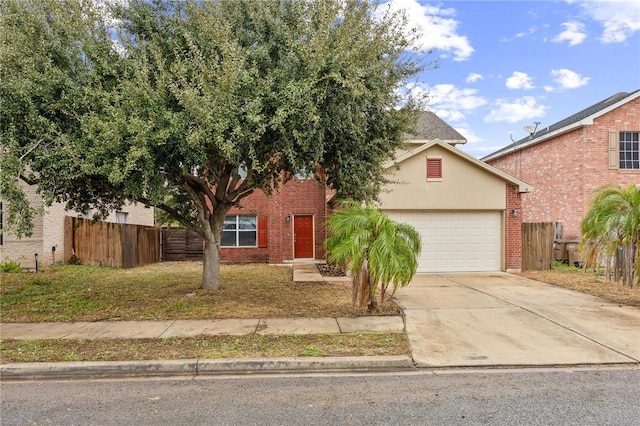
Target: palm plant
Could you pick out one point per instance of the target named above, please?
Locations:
(611, 232)
(376, 250)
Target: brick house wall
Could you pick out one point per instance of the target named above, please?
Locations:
(296, 197)
(566, 170)
(513, 230)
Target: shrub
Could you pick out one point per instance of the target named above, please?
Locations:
(10, 266)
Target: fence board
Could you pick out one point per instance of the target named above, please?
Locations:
(179, 244)
(110, 244)
(537, 246)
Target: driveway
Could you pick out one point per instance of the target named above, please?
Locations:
(485, 319)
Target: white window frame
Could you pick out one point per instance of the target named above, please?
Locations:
(629, 144)
(237, 230)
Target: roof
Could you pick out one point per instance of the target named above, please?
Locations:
(579, 119)
(431, 127)
(522, 186)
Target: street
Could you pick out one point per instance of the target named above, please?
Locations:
(561, 396)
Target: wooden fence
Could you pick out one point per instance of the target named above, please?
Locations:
(181, 244)
(110, 244)
(537, 246)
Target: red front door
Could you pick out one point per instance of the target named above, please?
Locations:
(303, 236)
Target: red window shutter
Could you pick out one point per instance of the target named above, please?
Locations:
(262, 231)
(434, 168)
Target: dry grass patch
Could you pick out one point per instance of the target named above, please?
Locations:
(267, 346)
(166, 291)
(589, 283)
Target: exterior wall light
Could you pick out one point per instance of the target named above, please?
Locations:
(514, 212)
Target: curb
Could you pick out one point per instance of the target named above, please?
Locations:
(199, 367)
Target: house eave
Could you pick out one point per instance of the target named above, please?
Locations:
(587, 121)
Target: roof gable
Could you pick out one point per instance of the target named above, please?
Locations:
(522, 186)
(579, 119)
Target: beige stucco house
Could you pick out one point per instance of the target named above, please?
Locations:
(467, 212)
(48, 232)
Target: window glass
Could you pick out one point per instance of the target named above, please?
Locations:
(240, 231)
(629, 152)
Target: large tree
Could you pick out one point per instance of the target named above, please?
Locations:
(190, 106)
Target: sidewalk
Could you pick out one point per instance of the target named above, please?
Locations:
(187, 328)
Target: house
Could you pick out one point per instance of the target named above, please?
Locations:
(567, 161)
(286, 226)
(467, 212)
(47, 240)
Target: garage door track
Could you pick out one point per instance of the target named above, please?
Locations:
(487, 319)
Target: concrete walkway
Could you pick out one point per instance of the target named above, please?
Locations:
(228, 327)
(499, 319)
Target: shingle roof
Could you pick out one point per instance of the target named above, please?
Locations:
(581, 115)
(431, 127)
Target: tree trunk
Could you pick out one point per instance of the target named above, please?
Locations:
(212, 231)
(211, 264)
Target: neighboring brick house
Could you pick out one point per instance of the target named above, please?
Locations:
(567, 161)
(48, 230)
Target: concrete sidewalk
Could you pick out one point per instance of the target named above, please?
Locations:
(228, 327)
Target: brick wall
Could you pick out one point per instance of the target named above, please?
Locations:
(513, 231)
(566, 170)
(296, 197)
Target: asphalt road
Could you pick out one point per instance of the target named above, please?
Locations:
(593, 396)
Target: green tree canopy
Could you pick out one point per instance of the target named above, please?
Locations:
(169, 103)
(375, 249)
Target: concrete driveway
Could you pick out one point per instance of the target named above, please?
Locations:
(485, 319)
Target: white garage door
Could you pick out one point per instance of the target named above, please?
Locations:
(456, 241)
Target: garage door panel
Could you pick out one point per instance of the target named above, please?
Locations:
(456, 241)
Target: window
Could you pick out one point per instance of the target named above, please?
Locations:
(240, 231)
(629, 150)
(122, 217)
(434, 168)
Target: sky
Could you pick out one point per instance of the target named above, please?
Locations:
(498, 66)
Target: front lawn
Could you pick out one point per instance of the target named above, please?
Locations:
(167, 291)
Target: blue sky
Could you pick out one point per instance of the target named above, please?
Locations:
(503, 65)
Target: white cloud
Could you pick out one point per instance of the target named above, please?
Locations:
(448, 101)
(473, 77)
(452, 102)
(519, 80)
(437, 27)
(574, 33)
(568, 79)
(525, 108)
(619, 18)
(469, 134)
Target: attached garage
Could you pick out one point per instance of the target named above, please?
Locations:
(466, 211)
(456, 241)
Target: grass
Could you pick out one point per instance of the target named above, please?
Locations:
(588, 282)
(168, 291)
(254, 346)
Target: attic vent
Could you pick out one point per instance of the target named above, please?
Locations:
(434, 168)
